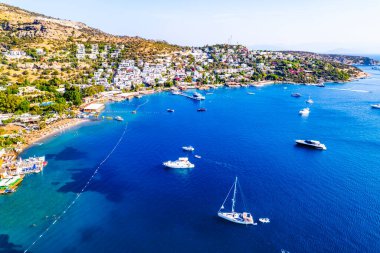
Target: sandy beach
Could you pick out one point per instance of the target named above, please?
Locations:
(52, 129)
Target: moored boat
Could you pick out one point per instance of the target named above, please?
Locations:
(188, 148)
(304, 112)
(181, 163)
(170, 110)
(296, 95)
(198, 96)
(309, 101)
(233, 216)
(118, 118)
(311, 144)
(320, 84)
(376, 106)
(264, 220)
(201, 109)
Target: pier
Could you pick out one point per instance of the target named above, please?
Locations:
(197, 98)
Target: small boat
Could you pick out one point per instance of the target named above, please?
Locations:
(264, 220)
(118, 118)
(170, 110)
(233, 216)
(209, 93)
(134, 112)
(201, 110)
(188, 148)
(311, 144)
(376, 106)
(304, 112)
(309, 101)
(198, 96)
(139, 96)
(181, 163)
(296, 95)
(250, 93)
(198, 156)
(320, 85)
(109, 118)
(176, 92)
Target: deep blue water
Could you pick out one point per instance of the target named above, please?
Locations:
(318, 201)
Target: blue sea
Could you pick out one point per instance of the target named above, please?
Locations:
(317, 201)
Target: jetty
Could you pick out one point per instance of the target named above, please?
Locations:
(195, 96)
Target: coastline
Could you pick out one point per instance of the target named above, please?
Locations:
(57, 127)
(65, 124)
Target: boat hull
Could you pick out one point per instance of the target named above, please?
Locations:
(311, 146)
(232, 217)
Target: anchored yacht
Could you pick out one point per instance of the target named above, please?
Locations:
(188, 148)
(305, 112)
(118, 118)
(376, 106)
(181, 163)
(309, 101)
(296, 95)
(312, 144)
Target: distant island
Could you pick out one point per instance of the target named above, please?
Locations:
(51, 69)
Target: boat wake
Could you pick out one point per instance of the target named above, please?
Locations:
(57, 218)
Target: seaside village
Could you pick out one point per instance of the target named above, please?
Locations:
(191, 68)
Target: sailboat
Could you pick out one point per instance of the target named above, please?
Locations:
(233, 216)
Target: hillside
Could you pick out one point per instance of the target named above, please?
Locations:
(27, 31)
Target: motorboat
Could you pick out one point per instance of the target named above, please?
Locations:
(311, 144)
(188, 148)
(309, 101)
(198, 96)
(304, 112)
(296, 95)
(181, 163)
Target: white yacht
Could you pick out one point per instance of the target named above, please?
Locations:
(309, 101)
(188, 148)
(312, 144)
(305, 112)
(181, 163)
(198, 96)
(118, 118)
(376, 106)
(236, 217)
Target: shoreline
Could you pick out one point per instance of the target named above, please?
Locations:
(31, 138)
(65, 124)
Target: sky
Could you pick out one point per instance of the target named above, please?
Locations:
(340, 26)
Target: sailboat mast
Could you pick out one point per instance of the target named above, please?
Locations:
(234, 198)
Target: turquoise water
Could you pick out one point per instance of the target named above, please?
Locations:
(318, 201)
